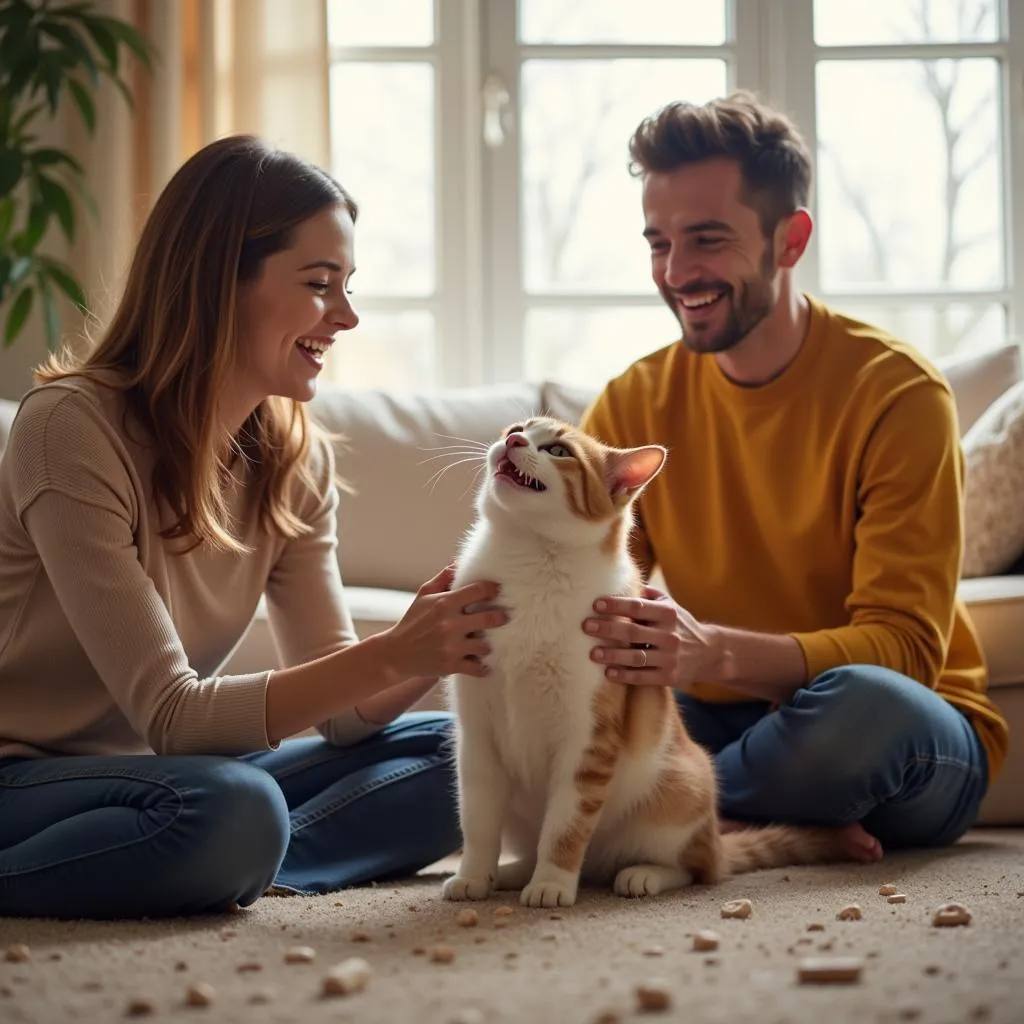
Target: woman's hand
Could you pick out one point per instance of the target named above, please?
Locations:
(439, 634)
(650, 640)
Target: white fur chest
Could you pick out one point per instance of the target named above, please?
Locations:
(537, 698)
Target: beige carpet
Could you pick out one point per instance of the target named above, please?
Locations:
(533, 966)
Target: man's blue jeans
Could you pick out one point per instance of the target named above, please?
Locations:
(154, 836)
(859, 743)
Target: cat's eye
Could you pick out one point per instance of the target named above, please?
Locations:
(558, 450)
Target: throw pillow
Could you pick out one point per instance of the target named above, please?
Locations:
(994, 486)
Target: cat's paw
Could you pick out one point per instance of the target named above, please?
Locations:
(515, 874)
(459, 887)
(650, 880)
(547, 894)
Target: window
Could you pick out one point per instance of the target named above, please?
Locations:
(486, 142)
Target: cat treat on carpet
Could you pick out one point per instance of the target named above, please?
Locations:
(951, 915)
(300, 955)
(201, 994)
(887, 890)
(818, 970)
(17, 954)
(653, 995)
(467, 918)
(852, 912)
(351, 975)
(705, 941)
(741, 909)
(896, 897)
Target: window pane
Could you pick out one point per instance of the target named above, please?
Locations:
(909, 190)
(691, 22)
(590, 345)
(387, 350)
(382, 148)
(582, 218)
(842, 23)
(380, 23)
(933, 329)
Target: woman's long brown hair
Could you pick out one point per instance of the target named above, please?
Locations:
(172, 344)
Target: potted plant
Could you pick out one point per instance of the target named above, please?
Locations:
(49, 51)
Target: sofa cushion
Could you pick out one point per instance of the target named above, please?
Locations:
(7, 411)
(404, 522)
(996, 607)
(994, 486)
(978, 380)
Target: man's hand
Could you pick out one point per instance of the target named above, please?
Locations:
(651, 640)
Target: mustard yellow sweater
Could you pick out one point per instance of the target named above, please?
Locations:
(826, 505)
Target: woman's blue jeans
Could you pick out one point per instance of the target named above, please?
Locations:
(155, 836)
(859, 743)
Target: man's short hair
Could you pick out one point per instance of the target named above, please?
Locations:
(774, 159)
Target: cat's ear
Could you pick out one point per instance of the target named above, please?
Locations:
(630, 469)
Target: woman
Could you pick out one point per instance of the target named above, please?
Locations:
(150, 494)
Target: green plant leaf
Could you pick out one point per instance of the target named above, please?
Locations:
(18, 315)
(129, 36)
(19, 270)
(56, 197)
(49, 71)
(85, 105)
(19, 123)
(6, 217)
(38, 218)
(10, 170)
(45, 157)
(65, 281)
(104, 40)
(51, 315)
(76, 47)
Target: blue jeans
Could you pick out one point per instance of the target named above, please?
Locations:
(859, 743)
(155, 836)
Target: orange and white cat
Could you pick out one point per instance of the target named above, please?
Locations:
(571, 774)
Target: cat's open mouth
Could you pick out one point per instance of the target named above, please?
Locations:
(507, 471)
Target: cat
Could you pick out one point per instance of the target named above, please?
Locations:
(575, 776)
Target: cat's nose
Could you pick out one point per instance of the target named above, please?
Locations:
(516, 441)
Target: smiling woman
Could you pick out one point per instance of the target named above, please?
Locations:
(137, 780)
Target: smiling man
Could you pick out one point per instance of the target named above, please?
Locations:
(808, 522)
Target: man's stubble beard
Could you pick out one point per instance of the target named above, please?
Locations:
(755, 303)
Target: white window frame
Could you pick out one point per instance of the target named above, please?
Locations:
(790, 36)
(480, 301)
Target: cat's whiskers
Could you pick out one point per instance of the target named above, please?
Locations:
(452, 453)
(473, 482)
(436, 478)
(468, 440)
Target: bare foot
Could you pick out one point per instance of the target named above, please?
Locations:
(859, 844)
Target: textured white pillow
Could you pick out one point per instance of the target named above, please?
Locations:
(994, 486)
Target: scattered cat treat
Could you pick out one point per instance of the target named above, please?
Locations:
(705, 940)
(442, 955)
(300, 955)
(262, 996)
(18, 953)
(249, 967)
(467, 918)
(140, 1008)
(201, 994)
(896, 897)
(653, 996)
(951, 915)
(419, 950)
(351, 975)
(741, 909)
(555, 917)
(887, 890)
(852, 912)
(815, 926)
(825, 970)
(654, 951)
(361, 937)
(608, 1017)
(504, 911)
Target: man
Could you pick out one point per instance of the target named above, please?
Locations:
(808, 521)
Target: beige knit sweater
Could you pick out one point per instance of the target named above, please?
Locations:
(109, 641)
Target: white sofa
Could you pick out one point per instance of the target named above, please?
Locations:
(401, 527)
